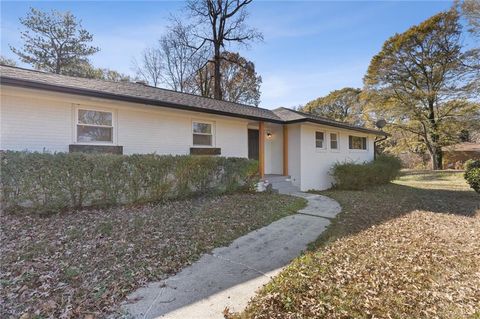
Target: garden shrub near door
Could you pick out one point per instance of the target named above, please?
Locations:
(51, 182)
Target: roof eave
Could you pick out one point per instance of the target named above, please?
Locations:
(125, 98)
(339, 125)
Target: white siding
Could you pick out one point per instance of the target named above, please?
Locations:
(274, 150)
(294, 154)
(33, 124)
(317, 163)
(37, 121)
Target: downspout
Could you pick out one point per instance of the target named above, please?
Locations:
(375, 146)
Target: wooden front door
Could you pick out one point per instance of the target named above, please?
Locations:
(253, 144)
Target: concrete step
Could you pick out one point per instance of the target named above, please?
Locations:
(282, 184)
(287, 189)
(276, 178)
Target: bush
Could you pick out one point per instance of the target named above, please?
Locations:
(472, 174)
(47, 182)
(355, 176)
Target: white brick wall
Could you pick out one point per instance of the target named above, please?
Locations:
(274, 149)
(294, 152)
(36, 121)
(316, 163)
(35, 124)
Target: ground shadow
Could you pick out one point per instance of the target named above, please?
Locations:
(377, 205)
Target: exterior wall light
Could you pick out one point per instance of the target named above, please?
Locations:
(269, 135)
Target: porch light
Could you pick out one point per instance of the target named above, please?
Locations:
(269, 135)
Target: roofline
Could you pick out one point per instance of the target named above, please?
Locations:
(5, 80)
(339, 125)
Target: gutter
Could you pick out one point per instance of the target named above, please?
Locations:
(126, 98)
(339, 125)
(118, 97)
(375, 145)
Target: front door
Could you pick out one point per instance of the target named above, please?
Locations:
(253, 144)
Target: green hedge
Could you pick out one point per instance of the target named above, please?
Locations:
(52, 182)
(472, 174)
(354, 176)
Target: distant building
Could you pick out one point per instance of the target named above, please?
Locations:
(454, 156)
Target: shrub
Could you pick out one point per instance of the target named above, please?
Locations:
(355, 176)
(47, 182)
(472, 174)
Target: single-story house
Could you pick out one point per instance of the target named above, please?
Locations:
(48, 112)
(454, 156)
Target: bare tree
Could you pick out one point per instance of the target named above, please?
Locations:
(150, 66)
(239, 82)
(220, 22)
(182, 60)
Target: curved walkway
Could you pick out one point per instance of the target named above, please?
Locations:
(228, 277)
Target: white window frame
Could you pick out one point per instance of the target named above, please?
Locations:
(324, 146)
(212, 124)
(77, 108)
(355, 150)
(330, 141)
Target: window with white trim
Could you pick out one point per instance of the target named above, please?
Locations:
(334, 141)
(202, 134)
(319, 140)
(357, 142)
(94, 126)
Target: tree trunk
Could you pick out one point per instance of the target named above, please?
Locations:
(217, 93)
(437, 159)
(436, 150)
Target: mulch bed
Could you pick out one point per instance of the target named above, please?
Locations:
(83, 263)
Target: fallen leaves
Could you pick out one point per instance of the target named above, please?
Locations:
(81, 264)
(418, 266)
(406, 250)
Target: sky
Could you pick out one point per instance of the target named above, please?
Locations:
(309, 49)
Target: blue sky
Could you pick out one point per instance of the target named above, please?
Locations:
(310, 47)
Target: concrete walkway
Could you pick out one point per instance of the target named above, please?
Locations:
(228, 277)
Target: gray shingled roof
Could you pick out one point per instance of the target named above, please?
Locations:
(132, 91)
(292, 116)
(141, 93)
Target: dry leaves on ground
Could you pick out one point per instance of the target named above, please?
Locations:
(422, 265)
(83, 263)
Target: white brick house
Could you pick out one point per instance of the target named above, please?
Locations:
(48, 112)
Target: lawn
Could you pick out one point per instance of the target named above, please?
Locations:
(83, 263)
(409, 249)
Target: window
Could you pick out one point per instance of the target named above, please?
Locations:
(333, 141)
(202, 134)
(94, 126)
(319, 138)
(357, 143)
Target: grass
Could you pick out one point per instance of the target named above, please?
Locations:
(84, 263)
(409, 249)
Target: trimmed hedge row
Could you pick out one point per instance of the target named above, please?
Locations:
(354, 176)
(472, 174)
(50, 182)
